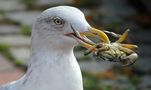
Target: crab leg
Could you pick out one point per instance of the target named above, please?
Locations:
(129, 46)
(126, 50)
(88, 46)
(123, 36)
(88, 40)
(91, 49)
(112, 33)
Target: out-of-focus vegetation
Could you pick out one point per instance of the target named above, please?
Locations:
(29, 3)
(90, 81)
(5, 50)
(5, 20)
(26, 30)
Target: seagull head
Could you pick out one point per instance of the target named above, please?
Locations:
(62, 26)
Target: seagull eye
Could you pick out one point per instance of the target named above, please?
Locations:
(58, 21)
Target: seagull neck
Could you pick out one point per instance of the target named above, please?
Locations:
(57, 70)
(49, 55)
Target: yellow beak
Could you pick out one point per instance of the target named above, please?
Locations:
(92, 32)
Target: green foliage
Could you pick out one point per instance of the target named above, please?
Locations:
(6, 20)
(86, 3)
(4, 49)
(90, 82)
(2, 12)
(20, 64)
(28, 3)
(106, 87)
(26, 30)
(135, 80)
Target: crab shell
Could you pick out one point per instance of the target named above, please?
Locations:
(110, 52)
(115, 51)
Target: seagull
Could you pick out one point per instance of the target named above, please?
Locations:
(52, 64)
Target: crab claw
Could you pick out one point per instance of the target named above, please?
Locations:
(129, 60)
(131, 55)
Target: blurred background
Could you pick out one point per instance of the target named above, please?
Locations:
(17, 17)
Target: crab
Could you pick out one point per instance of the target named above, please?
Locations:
(112, 51)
